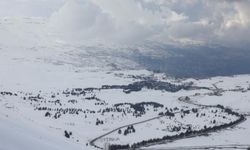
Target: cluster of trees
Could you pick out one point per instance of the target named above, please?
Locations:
(228, 110)
(100, 103)
(140, 77)
(93, 98)
(8, 93)
(176, 129)
(114, 109)
(170, 114)
(47, 114)
(66, 111)
(35, 98)
(138, 109)
(59, 111)
(130, 129)
(67, 134)
(152, 84)
(149, 84)
(57, 115)
(70, 110)
(117, 147)
(194, 110)
(75, 92)
(43, 108)
(188, 133)
(73, 101)
(55, 102)
(99, 122)
(105, 87)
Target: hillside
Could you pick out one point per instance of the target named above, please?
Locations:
(62, 95)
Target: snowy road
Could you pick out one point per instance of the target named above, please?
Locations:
(92, 142)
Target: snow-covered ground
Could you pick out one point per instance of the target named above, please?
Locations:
(39, 72)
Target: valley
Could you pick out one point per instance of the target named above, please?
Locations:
(118, 115)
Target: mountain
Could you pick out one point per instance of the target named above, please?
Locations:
(59, 94)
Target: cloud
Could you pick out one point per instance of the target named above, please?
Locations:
(30, 8)
(209, 22)
(80, 19)
(85, 19)
(177, 22)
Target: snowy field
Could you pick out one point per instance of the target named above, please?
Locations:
(53, 97)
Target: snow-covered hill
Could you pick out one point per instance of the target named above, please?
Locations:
(55, 94)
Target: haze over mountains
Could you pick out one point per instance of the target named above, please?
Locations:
(124, 74)
(184, 39)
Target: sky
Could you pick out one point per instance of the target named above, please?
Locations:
(176, 22)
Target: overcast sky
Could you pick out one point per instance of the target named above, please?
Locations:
(191, 22)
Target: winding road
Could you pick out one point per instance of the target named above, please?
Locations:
(92, 142)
